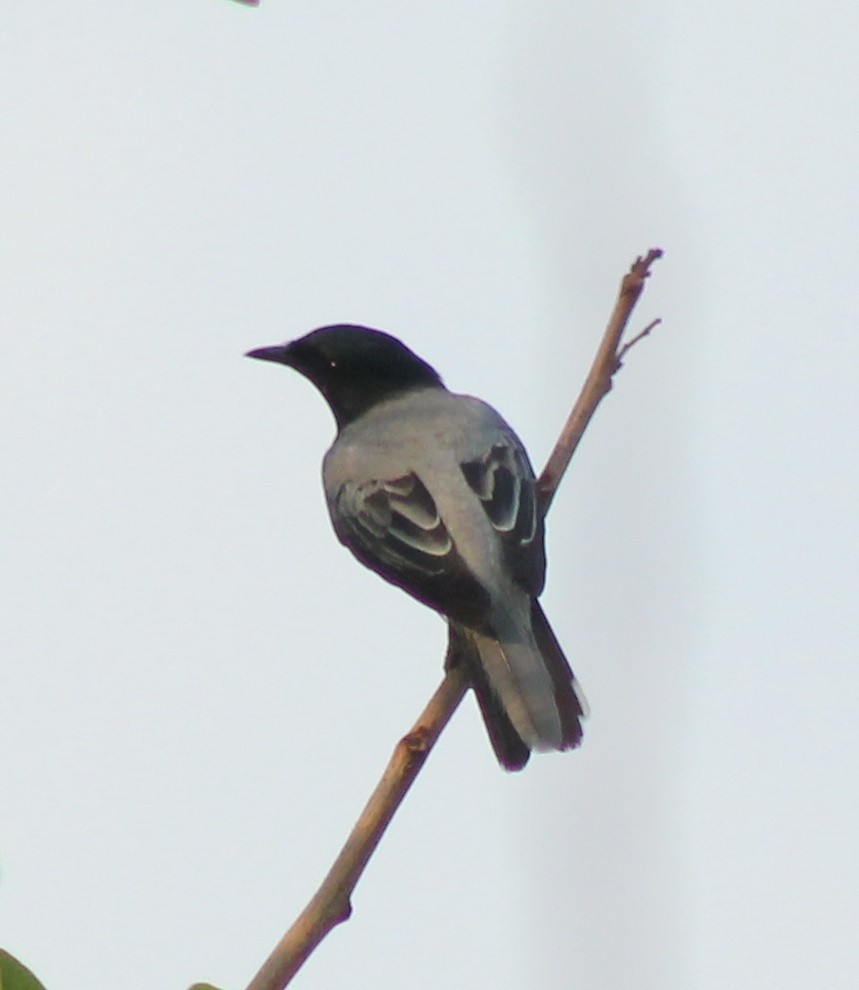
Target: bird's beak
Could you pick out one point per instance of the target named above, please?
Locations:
(279, 353)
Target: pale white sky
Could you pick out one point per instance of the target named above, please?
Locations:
(200, 687)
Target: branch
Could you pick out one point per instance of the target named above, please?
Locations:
(597, 385)
(331, 904)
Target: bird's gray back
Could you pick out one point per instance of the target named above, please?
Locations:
(408, 432)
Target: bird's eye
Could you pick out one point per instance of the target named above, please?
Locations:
(332, 364)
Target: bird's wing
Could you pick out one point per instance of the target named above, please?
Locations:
(398, 521)
(394, 527)
(504, 482)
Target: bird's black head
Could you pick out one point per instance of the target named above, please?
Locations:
(353, 367)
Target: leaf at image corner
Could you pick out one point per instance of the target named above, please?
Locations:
(15, 975)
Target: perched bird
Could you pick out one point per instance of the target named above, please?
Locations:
(434, 492)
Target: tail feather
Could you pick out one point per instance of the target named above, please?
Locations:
(511, 752)
(525, 689)
(570, 700)
(519, 678)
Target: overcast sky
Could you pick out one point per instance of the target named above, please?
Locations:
(199, 687)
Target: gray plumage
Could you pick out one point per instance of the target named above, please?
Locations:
(434, 491)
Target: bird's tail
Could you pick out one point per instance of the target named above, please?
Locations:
(526, 691)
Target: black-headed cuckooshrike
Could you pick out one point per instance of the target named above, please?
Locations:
(435, 492)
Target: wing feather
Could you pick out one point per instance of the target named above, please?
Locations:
(395, 528)
(504, 482)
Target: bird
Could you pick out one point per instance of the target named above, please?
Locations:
(434, 492)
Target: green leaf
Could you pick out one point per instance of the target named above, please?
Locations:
(16, 976)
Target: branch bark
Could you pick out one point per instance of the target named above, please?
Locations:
(331, 904)
(606, 364)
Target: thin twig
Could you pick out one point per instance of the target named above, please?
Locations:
(621, 354)
(598, 383)
(331, 904)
